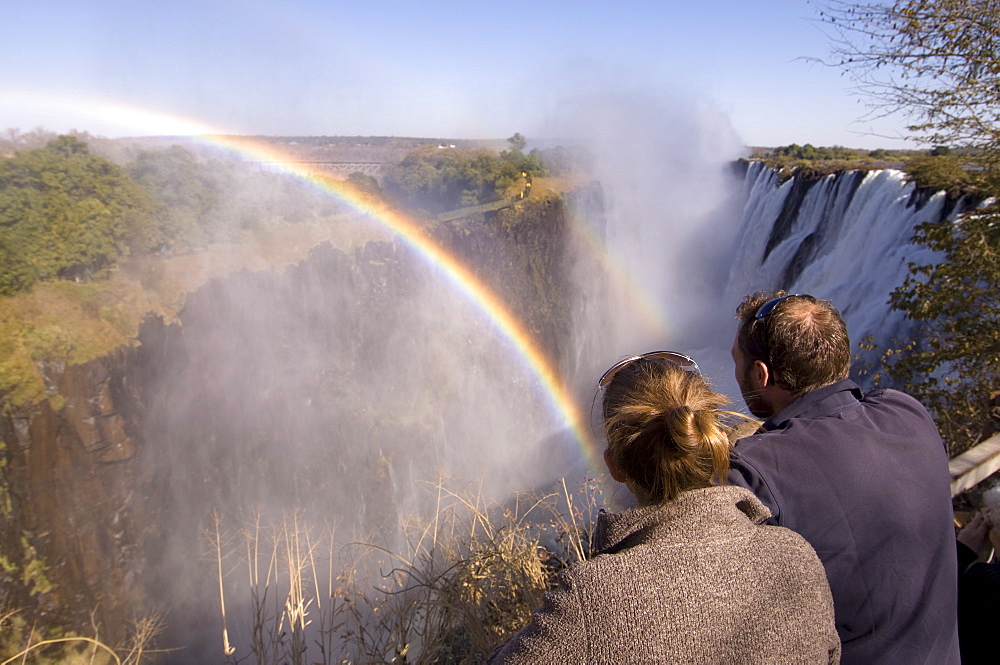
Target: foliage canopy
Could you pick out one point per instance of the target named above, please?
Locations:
(938, 62)
(941, 172)
(184, 191)
(67, 213)
(935, 61)
(435, 179)
(953, 365)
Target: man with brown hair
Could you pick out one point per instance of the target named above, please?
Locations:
(863, 477)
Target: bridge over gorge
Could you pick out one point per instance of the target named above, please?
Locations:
(338, 169)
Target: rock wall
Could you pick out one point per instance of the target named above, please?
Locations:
(69, 529)
(522, 253)
(80, 484)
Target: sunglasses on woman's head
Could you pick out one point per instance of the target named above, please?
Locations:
(671, 357)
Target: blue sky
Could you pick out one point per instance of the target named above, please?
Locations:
(434, 69)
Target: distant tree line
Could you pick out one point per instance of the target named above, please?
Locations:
(790, 154)
(959, 172)
(66, 213)
(434, 179)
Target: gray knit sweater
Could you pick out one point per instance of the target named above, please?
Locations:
(696, 580)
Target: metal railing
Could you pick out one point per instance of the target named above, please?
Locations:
(975, 465)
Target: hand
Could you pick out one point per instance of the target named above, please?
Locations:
(977, 536)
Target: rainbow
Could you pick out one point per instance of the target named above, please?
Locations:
(145, 122)
(463, 280)
(62, 111)
(646, 314)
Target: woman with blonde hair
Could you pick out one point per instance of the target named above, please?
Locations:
(690, 575)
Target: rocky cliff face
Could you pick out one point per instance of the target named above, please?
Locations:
(69, 525)
(522, 252)
(90, 484)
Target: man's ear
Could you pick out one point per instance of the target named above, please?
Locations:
(613, 468)
(760, 375)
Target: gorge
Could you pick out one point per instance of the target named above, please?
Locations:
(337, 385)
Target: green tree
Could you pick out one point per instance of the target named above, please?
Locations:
(518, 142)
(365, 183)
(935, 61)
(66, 213)
(435, 180)
(938, 63)
(940, 172)
(953, 364)
(184, 190)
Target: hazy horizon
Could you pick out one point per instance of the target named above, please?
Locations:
(439, 69)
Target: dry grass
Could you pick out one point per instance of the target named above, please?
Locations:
(23, 643)
(446, 590)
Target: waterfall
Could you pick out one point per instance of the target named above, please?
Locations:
(336, 389)
(844, 237)
(341, 383)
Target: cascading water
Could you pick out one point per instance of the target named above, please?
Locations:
(844, 237)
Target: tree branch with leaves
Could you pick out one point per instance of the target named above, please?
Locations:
(953, 364)
(935, 61)
(938, 63)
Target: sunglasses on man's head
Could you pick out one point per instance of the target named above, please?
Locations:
(769, 306)
(671, 357)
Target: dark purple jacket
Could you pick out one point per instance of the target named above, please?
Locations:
(978, 608)
(864, 478)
